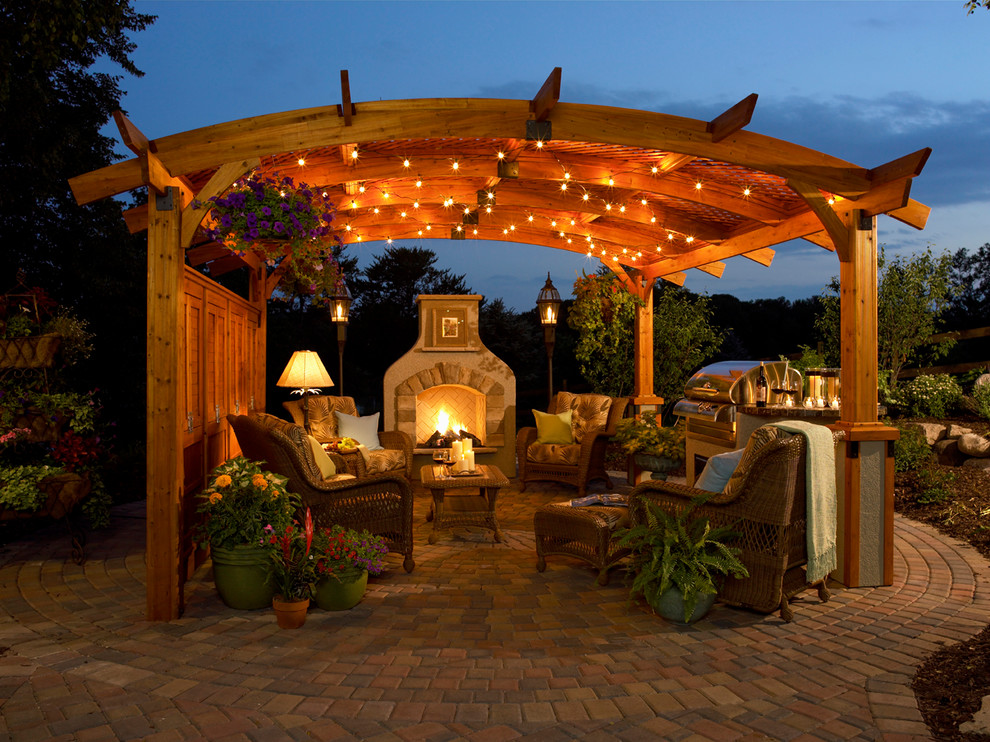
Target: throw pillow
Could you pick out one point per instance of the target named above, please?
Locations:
(362, 429)
(719, 470)
(324, 462)
(553, 428)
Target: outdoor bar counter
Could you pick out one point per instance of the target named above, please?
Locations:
(750, 417)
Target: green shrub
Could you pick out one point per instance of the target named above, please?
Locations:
(932, 395)
(911, 450)
(933, 485)
(981, 396)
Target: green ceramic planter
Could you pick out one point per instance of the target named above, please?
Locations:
(340, 595)
(670, 605)
(659, 465)
(241, 576)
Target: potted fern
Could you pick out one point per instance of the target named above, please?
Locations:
(678, 560)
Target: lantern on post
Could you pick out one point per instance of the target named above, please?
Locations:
(548, 305)
(340, 310)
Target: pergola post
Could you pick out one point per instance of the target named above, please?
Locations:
(865, 471)
(165, 303)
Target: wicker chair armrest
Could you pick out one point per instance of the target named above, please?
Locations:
(397, 440)
(525, 437)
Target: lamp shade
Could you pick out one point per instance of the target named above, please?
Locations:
(548, 303)
(305, 371)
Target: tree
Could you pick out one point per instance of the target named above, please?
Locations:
(603, 314)
(51, 110)
(972, 5)
(969, 276)
(684, 338)
(912, 293)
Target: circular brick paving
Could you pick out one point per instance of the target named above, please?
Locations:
(474, 644)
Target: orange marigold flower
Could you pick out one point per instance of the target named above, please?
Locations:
(259, 481)
(223, 480)
(215, 497)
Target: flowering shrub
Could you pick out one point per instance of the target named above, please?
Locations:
(241, 501)
(647, 435)
(911, 449)
(293, 559)
(930, 395)
(339, 550)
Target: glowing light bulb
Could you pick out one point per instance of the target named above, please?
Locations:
(562, 234)
(539, 144)
(467, 210)
(563, 186)
(567, 176)
(475, 230)
(585, 197)
(643, 201)
(611, 181)
(505, 231)
(490, 195)
(376, 209)
(553, 222)
(419, 184)
(501, 155)
(405, 163)
(348, 227)
(429, 228)
(529, 218)
(420, 233)
(655, 170)
(386, 194)
(460, 228)
(353, 204)
(573, 222)
(360, 189)
(512, 227)
(403, 215)
(746, 191)
(622, 209)
(488, 209)
(608, 207)
(388, 240)
(653, 219)
(697, 186)
(354, 154)
(359, 238)
(456, 165)
(670, 235)
(415, 204)
(301, 161)
(689, 239)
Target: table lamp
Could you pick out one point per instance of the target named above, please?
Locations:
(306, 372)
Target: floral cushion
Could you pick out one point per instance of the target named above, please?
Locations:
(552, 453)
(757, 444)
(322, 421)
(589, 412)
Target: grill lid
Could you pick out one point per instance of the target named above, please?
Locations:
(723, 383)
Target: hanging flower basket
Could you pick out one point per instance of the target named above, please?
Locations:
(63, 492)
(29, 352)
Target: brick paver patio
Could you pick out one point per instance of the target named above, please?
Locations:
(474, 644)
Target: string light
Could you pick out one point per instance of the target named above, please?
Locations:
(354, 154)
(501, 155)
(697, 186)
(746, 191)
(456, 165)
(563, 186)
(360, 189)
(419, 183)
(655, 170)
(539, 144)
(611, 181)
(301, 161)
(689, 239)
(405, 163)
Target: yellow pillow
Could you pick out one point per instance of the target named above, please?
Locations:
(323, 462)
(553, 428)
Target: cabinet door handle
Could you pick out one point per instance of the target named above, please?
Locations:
(189, 422)
(237, 407)
(252, 403)
(216, 409)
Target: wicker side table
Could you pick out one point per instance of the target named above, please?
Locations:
(582, 532)
(454, 507)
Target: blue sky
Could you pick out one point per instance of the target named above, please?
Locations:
(864, 81)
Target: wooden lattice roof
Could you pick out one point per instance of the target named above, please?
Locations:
(651, 195)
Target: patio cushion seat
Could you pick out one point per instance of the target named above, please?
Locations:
(394, 457)
(593, 421)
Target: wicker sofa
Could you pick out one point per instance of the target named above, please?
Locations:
(593, 421)
(395, 457)
(766, 502)
(381, 504)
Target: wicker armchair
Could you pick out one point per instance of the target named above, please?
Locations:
(382, 504)
(765, 501)
(593, 421)
(396, 456)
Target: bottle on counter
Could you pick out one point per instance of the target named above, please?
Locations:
(762, 387)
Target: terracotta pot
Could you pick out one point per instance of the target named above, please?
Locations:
(290, 614)
(333, 594)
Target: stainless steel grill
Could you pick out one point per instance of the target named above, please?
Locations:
(711, 398)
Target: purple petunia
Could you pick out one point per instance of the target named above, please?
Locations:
(279, 227)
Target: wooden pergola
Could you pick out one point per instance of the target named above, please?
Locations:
(651, 195)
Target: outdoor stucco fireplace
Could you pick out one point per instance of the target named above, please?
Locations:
(449, 379)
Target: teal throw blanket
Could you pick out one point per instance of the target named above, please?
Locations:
(820, 496)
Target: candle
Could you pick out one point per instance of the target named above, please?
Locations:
(808, 402)
(469, 461)
(835, 404)
(468, 445)
(456, 449)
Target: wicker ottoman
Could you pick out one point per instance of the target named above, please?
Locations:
(583, 532)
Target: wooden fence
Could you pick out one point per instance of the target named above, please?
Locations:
(957, 368)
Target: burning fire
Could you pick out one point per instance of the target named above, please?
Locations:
(445, 424)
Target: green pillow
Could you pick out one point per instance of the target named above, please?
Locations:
(553, 428)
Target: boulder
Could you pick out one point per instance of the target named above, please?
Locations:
(974, 445)
(947, 452)
(978, 464)
(932, 431)
(957, 431)
(980, 723)
(981, 380)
